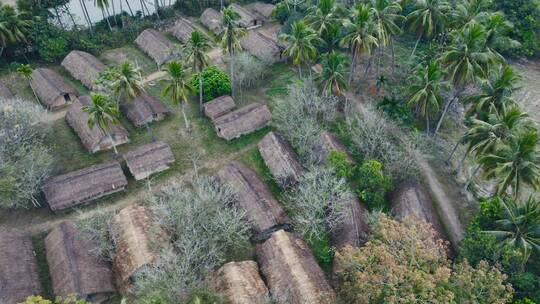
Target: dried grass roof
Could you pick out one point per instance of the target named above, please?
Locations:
(182, 29)
(219, 106)
(212, 20)
(5, 92)
(281, 160)
(353, 229)
(84, 67)
(245, 120)
(144, 109)
(329, 142)
(247, 19)
(261, 47)
(149, 159)
(51, 88)
(241, 283)
(155, 45)
(263, 9)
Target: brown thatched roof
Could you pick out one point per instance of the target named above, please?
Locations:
(53, 91)
(144, 109)
(155, 45)
(263, 9)
(18, 268)
(74, 270)
(247, 19)
(5, 92)
(241, 283)
(182, 29)
(212, 20)
(84, 67)
(353, 229)
(219, 106)
(329, 142)
(245, 120)
(81, 186)
(261, 47)
(263, 210)
(292, 273)
(279, 157)
(149, 159)
(93, 139)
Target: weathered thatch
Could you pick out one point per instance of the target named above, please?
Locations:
(261, 47)
(353, 228)
(74, 270)
(292, 273)
(329, 142)
(84, 67)
(219, 106)
(5, 92)
(149, 159)
(262, 9)
(19, 276)
(245, 120)
(272, 32)
(241, 283)
(279, 157)
(81, 186)
(212, 20)
(144, 109)
(247, 19)
(155, 45)
(263, 210)
(182, 29)
(93, 139)
(53, 91)
(132, 227)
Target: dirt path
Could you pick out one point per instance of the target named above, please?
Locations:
(155, 76)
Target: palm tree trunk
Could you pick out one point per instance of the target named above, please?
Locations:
(232, 74)
(156, 4)
(112, 143)
(415, 46)
(353, 64)
(70, 15)
(427, 123)
(183, 108)
(129, 7)
(393, 55)
(368, 66)
(58, 17)
(446, 107)
(300, 71)
(33, 91)
(469, 181)
(107, 19)
(452, 153)
(200, 93)
(87, 16)
(462, 161)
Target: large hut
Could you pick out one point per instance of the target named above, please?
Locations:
(93, 139)
(144, 109)
(291, 271)
(352, 229)
(263, 210)
(84, 67)
(53, 91)
(19, 276)
(149, 159)
(212, 20)
(327, 143)
(182, 29)
(263, 10)
(82, 186)
(155, 45)
(245, 120)
(279, 157)
(5, 92)
(219, 106)
(241, 283)
(74, 269)
(247, 19)
(262, 47)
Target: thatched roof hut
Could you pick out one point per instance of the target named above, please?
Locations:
(219, 106)
(263, 210)
(245, 120)
(261, 47)
(329, 142)
(212, 20)
(84, 67)
(353, 229)
(53, 91)
(149, 159)
(279, 157)
(155, 45)
(5, 92)
(144, 109)
(241, 283)
(74, 270)
(182, 29)
(93, 139)
(262, 9)
(291, 271)
(247, 19)
(19, 276)
(85, 185)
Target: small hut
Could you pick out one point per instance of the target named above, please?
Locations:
(5, 92)
(85, 185)
(149, 159)
(93, 139)
(144, 109)
(291, 271)
(245, 120)
(53, 91)
(329, 142)
(19, 276)
(264, 10)
(279, 157)
(263, 210)
(241, 283)
(353, 229)
(219, 106)
(84, 67)
(262, 47)
(247, 19)
(155, 45)
(212, 20)
(182, 29)
(74, 270)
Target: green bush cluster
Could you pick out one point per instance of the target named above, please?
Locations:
(525, 15)
(215, 83)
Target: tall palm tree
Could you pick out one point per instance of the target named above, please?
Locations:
(103, 5)
(387, 15)
(195, 50)
(14, 26)
(178, 87)
(498, 31)
(25, 70)
(468, 12)
(428, 19)
(102, 112)
(301, 44)
(332, 77)
(322, 16)
(230, 41)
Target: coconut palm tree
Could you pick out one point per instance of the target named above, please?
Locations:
(428, 19)
(14, 26)
(322, 16)
(127, 81)
(332, 77)
(468, 12)
(195, 50)
(301, 44)
(230, 40)
(178, 87)
(25, 70)
(387, 15)
(498, 30)
(103, 112)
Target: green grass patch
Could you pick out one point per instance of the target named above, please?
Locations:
(38, 241)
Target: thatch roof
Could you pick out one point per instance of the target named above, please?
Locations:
(245, 120)
(329, 142)
(247, 19)
(5, 92)
(219, 106)
(53, 91)
(182, 29)
(272, 32)
(84, 67)
(149, 159)
(74, 270)
(263, 210)
(132, 227)
(19, 276)
(261, 47)
(263, 9)
(291, 271)
(82, 186)
(93, 139)
(279, 157)
(212, 20)
(155, 45)
(144, 109)
(353, 229)
(241, 283)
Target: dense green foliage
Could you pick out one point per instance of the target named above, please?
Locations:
(525, 16)
(215, 83)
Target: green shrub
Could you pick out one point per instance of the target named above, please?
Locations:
(340, 162)
(525, 16)
(215, 83)
(373, 184)
(322, 250)
(396, 110)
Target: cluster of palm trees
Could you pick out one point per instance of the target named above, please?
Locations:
(14, 26)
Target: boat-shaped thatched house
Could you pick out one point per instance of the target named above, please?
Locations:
(155, 45)
(74, 270)
(245, 120)
(149, 159)
(291, 271)
(262, 47)
(241, 283)
(19, 276)
(5, 92)
(264, 10)
(279, 157)
(53, 91)
(84, 67)
(144, 109)
(182, 29)
(212, 19)
(219, 106)
(93, 139)
(353, 228)
(85, 185)
(247, 19)
(327, 143)
(262, 209)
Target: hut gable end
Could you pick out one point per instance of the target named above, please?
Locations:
(245, 120)
(219, 106)
(5, 92)
(279, 157)
(144, 109)
(241, 283)
(329, 142)
(182, 29)
(155, 45)
(212, 20)
(247, 19)
(84, 67)
(261, 47)
(149, 159)
(53, 91)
